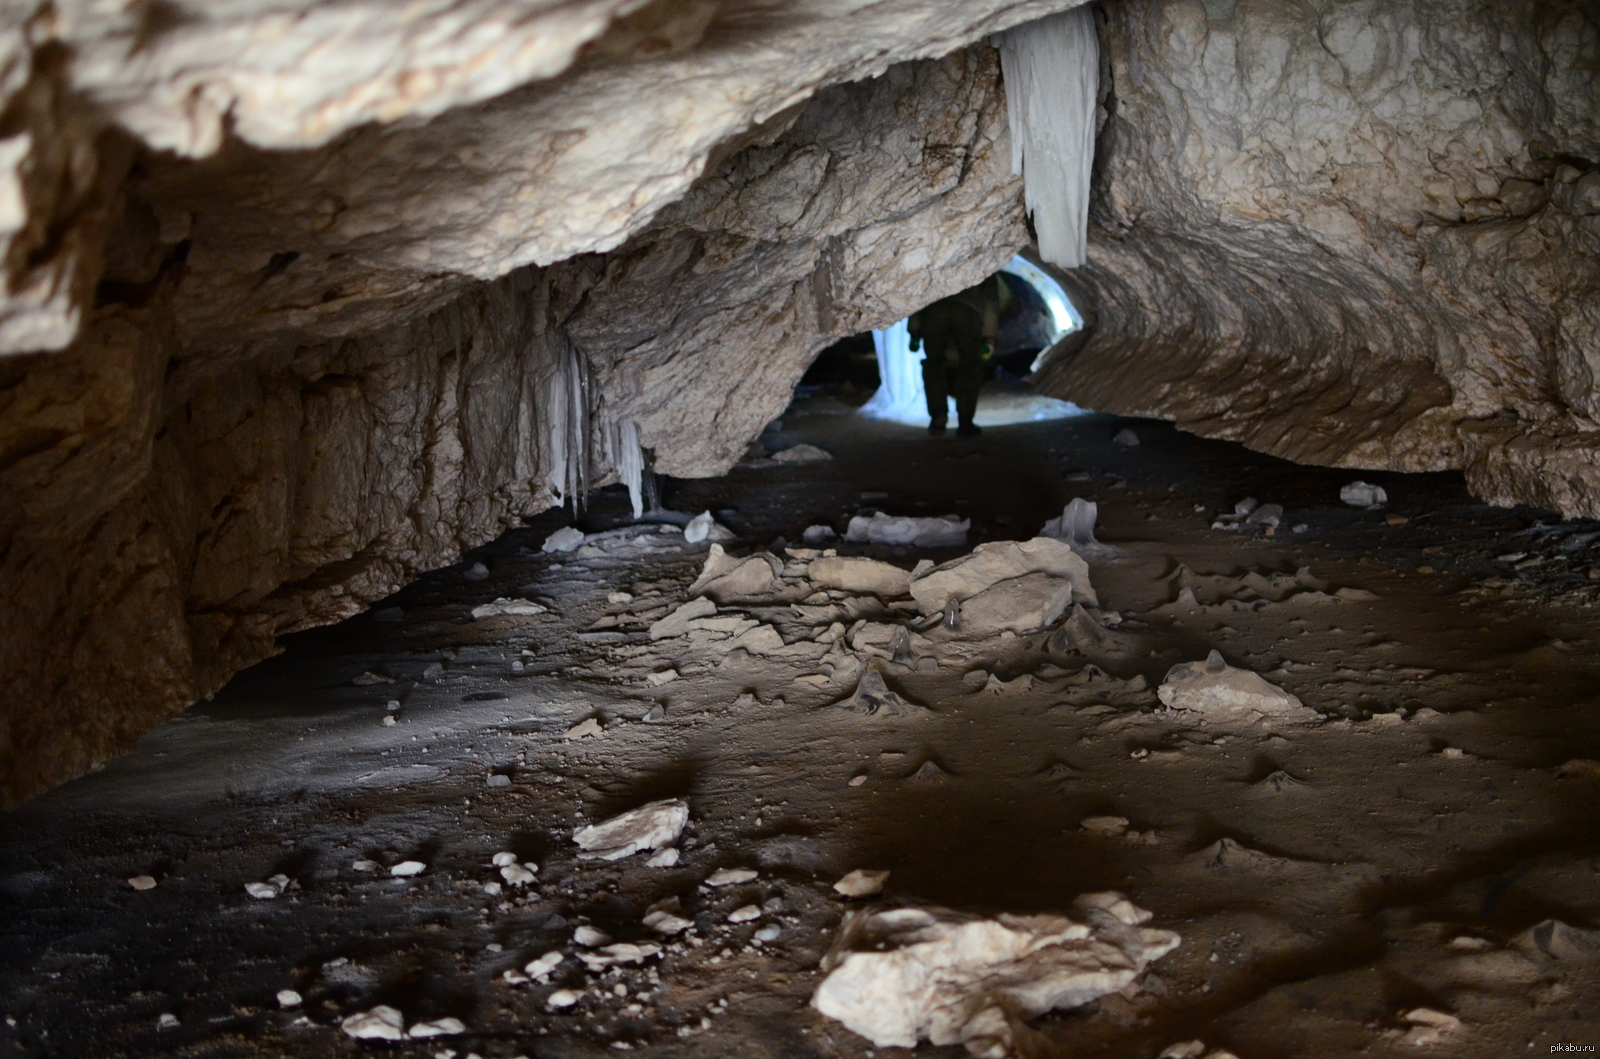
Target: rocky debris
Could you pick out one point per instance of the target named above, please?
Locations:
(1562, 941)
(801, 454)
(519, 874)
(1194, 1050)
(1127, 437)
(289, 998)
(590, 937)
(562, 999)
(665, 858)
(862, 883)
(142, 882)
(653, 826)
(1223, 693)
(819, 535)
(1364, 495)
(585, 728)
(475, 572)
(1106, 826)
(1019, 604)
(445, 1027)
(539, 969)
(505, 607)
(497, 779)
(619, 953)
(1075, 524)
(677, 623)
(407, 868)
(565, 539)
(880, 579)
(989, 564)
(904, 975)
(872, 698)
(744, 914)
(1430, 1027)
(665, 923)
(705, 528)
(267, 891)
(382, 1023)
(727, 579)
(664, 676)
(730, 877)
(167, 1021)
(370, 679)
(949, 531)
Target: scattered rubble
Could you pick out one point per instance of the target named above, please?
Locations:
(904, 975)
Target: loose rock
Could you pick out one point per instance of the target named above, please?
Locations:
(862, 883)
(1222, 693)
(565, 539)
(507, 607)
(652, 826)
(142, 882)
(408, 868)
(801, 454)
(730, 876)
(950, 531)
(382, 1023)
(1364, 494)
(860, 575)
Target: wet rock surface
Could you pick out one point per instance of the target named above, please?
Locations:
(1420, 851)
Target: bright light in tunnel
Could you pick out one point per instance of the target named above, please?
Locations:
(902, 399)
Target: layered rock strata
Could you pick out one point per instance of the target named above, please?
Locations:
(1355, 235)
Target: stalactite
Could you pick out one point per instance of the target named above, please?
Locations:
(1052, 70)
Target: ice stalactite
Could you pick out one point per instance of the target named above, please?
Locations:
(1052, 72)
(574, 424)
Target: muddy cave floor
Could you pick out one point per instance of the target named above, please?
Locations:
(1325, 878)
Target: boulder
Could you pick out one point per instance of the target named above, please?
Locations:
(989, 564)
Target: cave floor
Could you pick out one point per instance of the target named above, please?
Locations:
(1407, 851)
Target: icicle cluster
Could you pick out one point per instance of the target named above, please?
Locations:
(573, 426)
(1052, 71)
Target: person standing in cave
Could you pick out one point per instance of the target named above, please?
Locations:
(959, 333)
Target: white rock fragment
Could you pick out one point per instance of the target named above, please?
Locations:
(620, 597)
(590, 937)
(288, 998)
(562, 999)
(142, 882)
(167, 1021)
(1364, 494)
(656, 680)
(1127, 437)
(503, 858)
(1109, 826)
(518, 874)
(862, 883)
(1429, 1026)
(382, 1023)
(498, 779)
(653, 826)
(818, 534)
(540, 969)
(677, 623)
(492, 888)
(407, 868)
(705, 528)
(770, 932)
(507, 607)
(266, 891)
(949, 531)
(744, 914)
(621, 952)
(445, 1027)
(730, 876)
(904, 975)
(364, 865)
(1225, 694)
(583, 729)
(666, 923)
(801, 454)
(475, 572)
(565, 539)
(389, 721)
(371, 679)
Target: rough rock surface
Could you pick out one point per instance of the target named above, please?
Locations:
(174, 494)
(1354, 235)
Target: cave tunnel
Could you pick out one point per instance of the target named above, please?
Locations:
(477, 578)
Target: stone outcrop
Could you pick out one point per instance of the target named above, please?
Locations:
(1354, 234)
(214, 462)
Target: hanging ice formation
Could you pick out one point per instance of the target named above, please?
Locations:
(571, 428)
(1052, 71)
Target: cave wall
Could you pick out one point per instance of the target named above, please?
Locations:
(1355, 234)
(178, 491)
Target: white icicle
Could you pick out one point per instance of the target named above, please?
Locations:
(630, 463)
(1052, 71)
